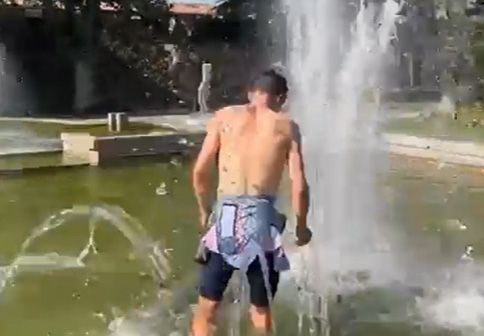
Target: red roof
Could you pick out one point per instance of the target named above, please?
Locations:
(193, 9)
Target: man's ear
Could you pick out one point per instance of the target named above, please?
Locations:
(281, 100)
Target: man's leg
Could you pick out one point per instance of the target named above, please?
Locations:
(214, 278)
(260, 310)
(204, 317)
(261, 318)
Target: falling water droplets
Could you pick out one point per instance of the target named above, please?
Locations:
(162, 189)
(456, 225)
(87, 282)
(467, 256)
(91, 245)
(183, 141)
(175, 162)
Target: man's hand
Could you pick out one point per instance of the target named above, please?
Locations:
(303, 234)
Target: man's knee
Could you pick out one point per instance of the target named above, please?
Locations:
(206, 309)
(204, 320)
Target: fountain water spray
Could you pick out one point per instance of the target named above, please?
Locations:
(333, 67)
(143, 246)
(145, 322)
(340, 134)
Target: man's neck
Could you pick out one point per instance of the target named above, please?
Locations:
(259, 110)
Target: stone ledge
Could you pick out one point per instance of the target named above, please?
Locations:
(99, 150)
(76, 142)
(456, 152)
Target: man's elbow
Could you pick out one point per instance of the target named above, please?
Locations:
(200, 175)
(197, 172)
(300, 198)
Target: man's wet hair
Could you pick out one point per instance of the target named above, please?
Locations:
(270, 82)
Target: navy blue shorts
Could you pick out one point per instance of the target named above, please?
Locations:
(216, 273)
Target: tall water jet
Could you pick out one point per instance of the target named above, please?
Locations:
(336, 68)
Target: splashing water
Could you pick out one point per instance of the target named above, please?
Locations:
(171, 313)
(343, 151)
(143, 246)
(333, 66)
(456, 299)
(168, 317)
(454, 309)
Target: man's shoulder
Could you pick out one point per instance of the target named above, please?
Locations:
(286, 118)
(225, 114)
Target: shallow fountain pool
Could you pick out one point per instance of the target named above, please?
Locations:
(438, 213)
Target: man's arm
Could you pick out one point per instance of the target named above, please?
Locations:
(208, 152)
(299, 186)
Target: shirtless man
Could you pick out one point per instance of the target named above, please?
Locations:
(253, 143)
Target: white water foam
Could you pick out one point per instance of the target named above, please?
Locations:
(454, 309)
